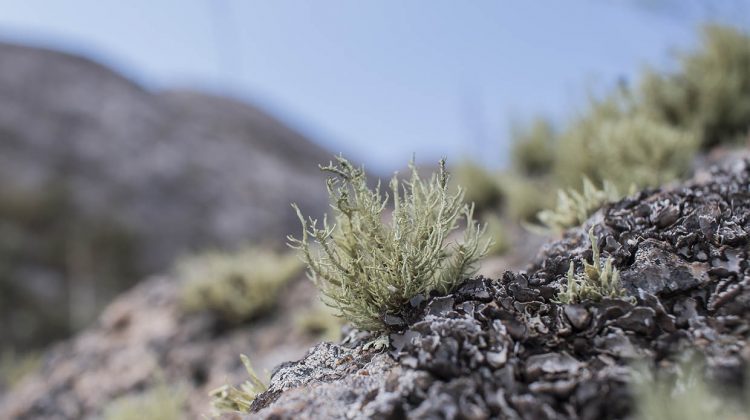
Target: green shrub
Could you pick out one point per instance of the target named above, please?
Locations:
(710, 93)
(480, 186)
(625, 148)
(574, 207)
(596, 282)
(237, 287)
(534, 148)
(232, 399)
(367, 268)
(160, 402)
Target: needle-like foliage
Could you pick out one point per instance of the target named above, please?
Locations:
(596, 282)
(367, 268)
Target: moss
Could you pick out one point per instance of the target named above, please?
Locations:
(238, 287)
(366, 268)
(160, 402)
(574, 207)
(596, 282)
(239, 399)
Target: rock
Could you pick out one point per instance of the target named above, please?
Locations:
(143, 338)
(507, 350)
(551, 363)
(578, 315)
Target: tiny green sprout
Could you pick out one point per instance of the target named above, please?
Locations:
(597, 281)
(228, 398)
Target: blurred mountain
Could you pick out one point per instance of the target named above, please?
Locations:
(102, 180)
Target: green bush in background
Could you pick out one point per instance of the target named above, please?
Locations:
(239, 286)
(642, 136)
(627, 149)
(709, 94)
(480, 186)
(533, 148)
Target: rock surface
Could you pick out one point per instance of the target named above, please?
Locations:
(144, 339)
(505, 349)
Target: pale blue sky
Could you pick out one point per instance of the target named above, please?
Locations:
(378, 80)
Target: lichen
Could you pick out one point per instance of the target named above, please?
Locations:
(368, 269)
(596, 282)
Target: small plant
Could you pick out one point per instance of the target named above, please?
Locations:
(596, 282)
(367, 268)
(228, 398)
(238, 287)
(160, 402)
(574, 207)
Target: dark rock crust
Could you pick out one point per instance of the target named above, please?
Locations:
(505, 349)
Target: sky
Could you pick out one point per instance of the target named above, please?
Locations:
(380, 80)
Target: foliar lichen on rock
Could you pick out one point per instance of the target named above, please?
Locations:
(368, 268)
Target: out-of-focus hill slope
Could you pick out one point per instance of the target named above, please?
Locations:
(102, 181)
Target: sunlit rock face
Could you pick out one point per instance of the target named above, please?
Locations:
(504, 348)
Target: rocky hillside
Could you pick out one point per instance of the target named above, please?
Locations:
(502, 348)
(103, 181)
